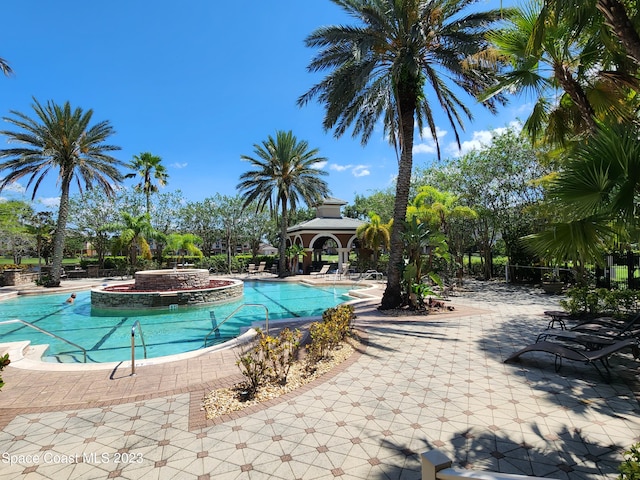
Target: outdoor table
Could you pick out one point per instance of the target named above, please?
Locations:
(557, 316)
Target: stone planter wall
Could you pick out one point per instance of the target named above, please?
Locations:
(172, 280)
(141, 300)
(17, 277)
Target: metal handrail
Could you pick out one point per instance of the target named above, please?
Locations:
(133, 345)
(240, 307)
(47, 333)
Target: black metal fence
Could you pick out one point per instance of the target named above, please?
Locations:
(622, 270)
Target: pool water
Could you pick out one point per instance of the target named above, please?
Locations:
(106, 335)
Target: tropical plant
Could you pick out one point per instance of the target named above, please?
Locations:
(286, 172)
(135, 231)
(374, 235)
(618, 16)
(179, 243)
(149, 168)
(575, 79)
(60, 139)
(596, 199)
(382, 67)
(293, 254)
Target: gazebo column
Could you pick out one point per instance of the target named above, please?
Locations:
(343, 256)
(307, 260)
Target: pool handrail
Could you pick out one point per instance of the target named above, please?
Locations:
(240, 307)
(31, 325)
(133, 345)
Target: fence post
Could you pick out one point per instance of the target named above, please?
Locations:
(432, 462)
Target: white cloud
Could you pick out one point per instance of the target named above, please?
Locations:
(320, 165)
(339, 168)
(360, 171)
(480, 139)
(356, 170)
(428, 144)
(179, 165)
(50, 201)
(14, 187)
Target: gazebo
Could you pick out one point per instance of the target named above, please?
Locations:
(329, 224)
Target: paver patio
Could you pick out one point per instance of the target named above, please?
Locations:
(420, 382)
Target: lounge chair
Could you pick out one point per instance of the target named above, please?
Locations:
(251, 268)
(588, 356)
(597, 332)
(261, 267)
(323, 271)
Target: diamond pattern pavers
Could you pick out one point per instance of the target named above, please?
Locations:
(422, 383)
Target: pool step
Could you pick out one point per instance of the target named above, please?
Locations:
(23, 349)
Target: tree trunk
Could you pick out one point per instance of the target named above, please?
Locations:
(407, 99)
(617, 19)
(58, 239)
(576, 93)
(282, 248)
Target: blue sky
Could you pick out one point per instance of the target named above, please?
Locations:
(197, 83)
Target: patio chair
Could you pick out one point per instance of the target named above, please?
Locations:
(323, 271)
(251, 268)
(590, 357)
(261, 267)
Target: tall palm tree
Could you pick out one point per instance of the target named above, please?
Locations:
(60, 139)
(149, 168)
(285, 173)
(374, 234)
(382, 68)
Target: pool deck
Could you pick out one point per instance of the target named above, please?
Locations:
(418, 383)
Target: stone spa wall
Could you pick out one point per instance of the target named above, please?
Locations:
(131, 299)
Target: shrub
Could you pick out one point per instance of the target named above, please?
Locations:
(630, 467)
(597, 301)
(270, 359)
(330, 333)
(4, 361)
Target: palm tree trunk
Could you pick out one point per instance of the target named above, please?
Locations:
(282, 248)
(576, 93)
(58, 239)
(407, 97)
(617, 19)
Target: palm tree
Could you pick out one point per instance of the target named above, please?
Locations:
(148, 167)
(576, 80)
(285, 173)
(382, 67)
(596, 198)
(4, 67)
(621, 22)
(60, 139)
(134, 233)
(183, 242)
(374, 234)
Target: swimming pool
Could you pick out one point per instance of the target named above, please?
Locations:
(106, 335)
